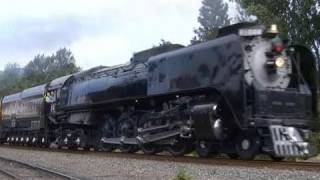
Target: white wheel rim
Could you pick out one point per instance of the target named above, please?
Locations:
(245, 144)
(203, 145)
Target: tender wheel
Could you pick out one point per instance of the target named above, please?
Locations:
(179, 148)
(205, 149)
(44, 142)
(73, 147)
(247, 145)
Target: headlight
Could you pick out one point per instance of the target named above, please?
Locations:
(280, 62)
(250, 32)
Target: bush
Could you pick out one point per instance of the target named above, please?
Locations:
(183, 175)
(315, 140)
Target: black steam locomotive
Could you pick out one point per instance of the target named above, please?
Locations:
(244, 93)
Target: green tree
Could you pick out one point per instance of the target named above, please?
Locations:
(61, 63)
(241, 15)
(36, 70)
(46, 68)
(300, 20)
(213, 15)
(9, 78)
(41, 69)
(11, 74)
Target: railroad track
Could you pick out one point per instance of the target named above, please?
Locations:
(219, 161)
(19, 170)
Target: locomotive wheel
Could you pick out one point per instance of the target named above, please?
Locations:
(108, 131)
(179, 148)
(205, 149)
(125, 148)
(106, 147)
(150, 149)
(233, 156)
(276, 159)
(127, 130)
(247, 145)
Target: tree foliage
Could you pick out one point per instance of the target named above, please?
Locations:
(299, 19)
(9, 78)
(162, 43)
(213, 15)
(40, 70)
(241, 14)
(46, 68)
(11, 74)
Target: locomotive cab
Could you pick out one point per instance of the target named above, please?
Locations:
(53, 97)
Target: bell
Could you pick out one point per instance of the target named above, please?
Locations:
(273, 29)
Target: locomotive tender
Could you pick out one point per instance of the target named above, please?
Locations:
(244, 93)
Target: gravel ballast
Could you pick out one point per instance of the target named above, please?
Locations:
(106, 167)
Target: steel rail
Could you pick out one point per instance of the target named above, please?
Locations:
(37, 168)
(10, 174)
(218, 161)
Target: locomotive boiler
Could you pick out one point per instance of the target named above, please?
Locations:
(247, 92)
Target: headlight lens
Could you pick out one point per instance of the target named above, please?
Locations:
(280, 62)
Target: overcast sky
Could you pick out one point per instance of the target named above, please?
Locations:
(98, 32)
